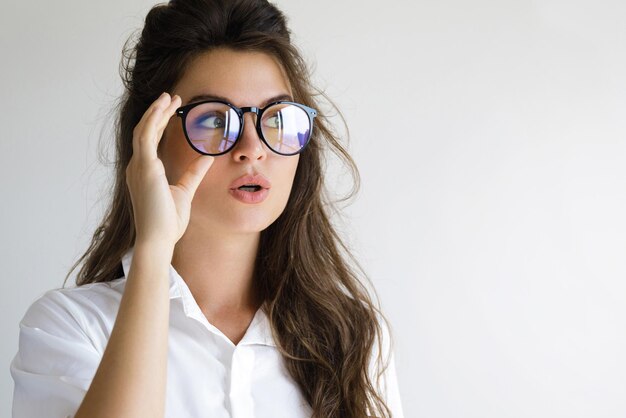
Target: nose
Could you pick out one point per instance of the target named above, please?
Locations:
(249, 144)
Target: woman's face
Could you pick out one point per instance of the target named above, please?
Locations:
(243, 79)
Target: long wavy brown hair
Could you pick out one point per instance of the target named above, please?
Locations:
(323, 318)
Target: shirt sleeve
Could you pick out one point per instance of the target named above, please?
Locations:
(388, 387)
(392, 393)
(56, 360)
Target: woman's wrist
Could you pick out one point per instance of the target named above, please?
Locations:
(157, 249)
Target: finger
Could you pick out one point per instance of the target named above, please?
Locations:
(159, 118)
(159, 103)
(154, 127)
(190, 180)
(154, 105)
(139, 133)
(166, 115)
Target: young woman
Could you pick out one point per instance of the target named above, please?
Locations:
(216, 285)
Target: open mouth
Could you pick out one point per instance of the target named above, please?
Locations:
(250, 188)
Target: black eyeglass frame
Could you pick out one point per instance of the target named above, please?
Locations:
(183, 111)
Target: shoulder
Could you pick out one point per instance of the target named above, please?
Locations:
(89, 310)
(75, 301)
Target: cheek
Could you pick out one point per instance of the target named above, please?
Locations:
(294, 168)
(289, 174)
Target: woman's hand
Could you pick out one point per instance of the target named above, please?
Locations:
(161, 210)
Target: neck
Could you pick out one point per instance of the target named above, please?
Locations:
(219, 270)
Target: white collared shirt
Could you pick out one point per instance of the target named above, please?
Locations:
(64, 333)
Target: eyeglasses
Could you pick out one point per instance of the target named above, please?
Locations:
(213, 127)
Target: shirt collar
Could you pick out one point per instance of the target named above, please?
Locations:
(258, 332)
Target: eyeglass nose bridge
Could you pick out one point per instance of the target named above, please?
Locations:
(250, 109)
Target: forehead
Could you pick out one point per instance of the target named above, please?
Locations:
(246, 78)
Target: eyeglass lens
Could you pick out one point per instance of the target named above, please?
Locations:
(213, 127)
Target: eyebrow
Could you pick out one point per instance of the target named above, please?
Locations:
(202, 97)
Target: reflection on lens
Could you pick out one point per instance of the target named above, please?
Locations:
(212, 128)
(286, 128)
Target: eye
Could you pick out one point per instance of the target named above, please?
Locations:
(211, 121)
(274, 121)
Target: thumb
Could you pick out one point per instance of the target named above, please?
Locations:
(196, 171)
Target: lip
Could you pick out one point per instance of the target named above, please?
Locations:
(249, 197)
(258, 179)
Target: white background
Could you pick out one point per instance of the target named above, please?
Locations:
(491, 140)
